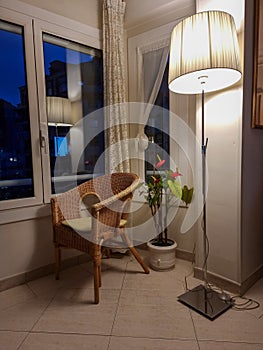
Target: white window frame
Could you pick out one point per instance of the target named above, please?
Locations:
(36, 21)
(41, 27)
(26, 22)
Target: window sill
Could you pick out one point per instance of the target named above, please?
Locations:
(23, 214)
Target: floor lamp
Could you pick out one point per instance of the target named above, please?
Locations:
(204, 57)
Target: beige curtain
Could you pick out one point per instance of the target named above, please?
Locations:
(116, 113)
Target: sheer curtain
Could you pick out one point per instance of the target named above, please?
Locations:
(152, 60)
(116, 114)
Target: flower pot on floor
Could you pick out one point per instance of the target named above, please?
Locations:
(162, 257)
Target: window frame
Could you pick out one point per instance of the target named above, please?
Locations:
(41, 27)
(26, 23)
(35, 21)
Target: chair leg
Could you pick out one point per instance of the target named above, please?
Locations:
(97, 272)
(139, 259)
(57, 260)
(135, 253)
(96, 284)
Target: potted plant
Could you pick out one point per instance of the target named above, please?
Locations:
(163, 192)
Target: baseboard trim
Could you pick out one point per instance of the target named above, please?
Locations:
(229, 285)
(218, 281)
(251, 280)
(185, 255)
(13, 281)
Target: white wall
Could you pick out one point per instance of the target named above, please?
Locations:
(25, 246)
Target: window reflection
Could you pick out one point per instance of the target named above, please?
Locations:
(74, 88)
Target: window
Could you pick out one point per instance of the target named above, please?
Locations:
(157, 129)
(51, 80)
(74, 89)
(16, 169)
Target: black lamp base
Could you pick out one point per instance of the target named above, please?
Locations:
(206, 301)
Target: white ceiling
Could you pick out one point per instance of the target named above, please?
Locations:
(138, 11)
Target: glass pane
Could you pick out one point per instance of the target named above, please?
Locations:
(16, 174)
(74, 88)
(157, 129)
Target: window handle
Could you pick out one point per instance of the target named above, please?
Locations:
(43, 137)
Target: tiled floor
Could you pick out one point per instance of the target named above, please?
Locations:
(136, 312)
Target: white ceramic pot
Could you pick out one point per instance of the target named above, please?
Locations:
(162, 258)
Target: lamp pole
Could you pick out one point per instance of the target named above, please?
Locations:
(204, 147)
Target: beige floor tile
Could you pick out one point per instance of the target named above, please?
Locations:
(148, 297)
(74, 298)
(150, 344)
(255, 293)
(45, 287)
(22, 316)
(111, 264)
(113, 272)
(16, 295)
(76, 277)
(164, 280)
(73, 311)
(221, 345)
(42, 341)
(80, 277)
(11, 340)
(170, 321)
(233, 326)
(90, 320)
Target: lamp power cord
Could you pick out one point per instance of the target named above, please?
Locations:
(239, 303)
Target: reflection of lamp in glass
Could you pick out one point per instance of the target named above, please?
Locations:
(204, 57)
(59, 111)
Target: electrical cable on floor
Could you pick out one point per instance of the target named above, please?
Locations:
(245, 304)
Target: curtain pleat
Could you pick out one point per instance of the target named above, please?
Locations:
(116, 113)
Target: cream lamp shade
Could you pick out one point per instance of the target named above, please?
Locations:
(59, 111)
(204, 53)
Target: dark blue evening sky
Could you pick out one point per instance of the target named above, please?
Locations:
(12, 63)
(12, 71)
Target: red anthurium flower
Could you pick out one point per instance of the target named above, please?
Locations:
(160, 163)
(175, 174)
(155, 179)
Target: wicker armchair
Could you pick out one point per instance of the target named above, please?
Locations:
(92, 215)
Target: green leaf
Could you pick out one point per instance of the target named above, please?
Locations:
(187, 194)
(175, 188)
